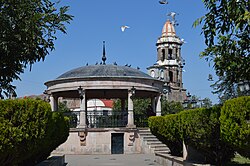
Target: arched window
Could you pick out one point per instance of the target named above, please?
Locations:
(170, 54)
(170, 76)
(162, 74)
(163, 54)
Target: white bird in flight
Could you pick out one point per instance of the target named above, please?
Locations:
(124, 27)
(183, 41)
(172, 14)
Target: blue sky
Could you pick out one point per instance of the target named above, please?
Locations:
(99, 20)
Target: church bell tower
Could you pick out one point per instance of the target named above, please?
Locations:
(169, 65)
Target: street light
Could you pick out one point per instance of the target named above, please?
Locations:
(133, 91)
(80, 91)
(189, 101)
(166, 89)
(244, 87)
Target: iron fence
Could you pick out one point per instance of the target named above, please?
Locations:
(106, 119)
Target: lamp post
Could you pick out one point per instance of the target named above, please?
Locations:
(80, 91)
(244, 87)
(133, 91)
(189, 101)
(131, 95)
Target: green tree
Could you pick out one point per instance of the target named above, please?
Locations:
(226, 30)
(206, 103)
(27, 34)
(171, 107)
(140, 105)
(62, 107)
(29, 131)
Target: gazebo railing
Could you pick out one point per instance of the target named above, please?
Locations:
(141, 120)
(106, 119)
(99, 119)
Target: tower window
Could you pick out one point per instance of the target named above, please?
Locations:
(170, 54)
(163, 54)
(170, 76)
(162, 74)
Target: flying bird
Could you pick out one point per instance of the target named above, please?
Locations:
(172, 14)
(124, 27)
(175, 23)
(163, 2)
(183, 41)
(210, 77)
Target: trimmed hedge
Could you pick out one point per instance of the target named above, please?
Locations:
(167, 130)
(235, 124)
(198, 128)
(29, 131)
(201, 131)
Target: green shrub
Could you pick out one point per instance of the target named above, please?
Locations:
(201, 131)
(167, 130)
(198, 128)
(29, 131)
(235, 124)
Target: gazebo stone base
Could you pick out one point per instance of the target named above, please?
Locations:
(101, 141)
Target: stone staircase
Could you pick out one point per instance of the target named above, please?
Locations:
(149, 142)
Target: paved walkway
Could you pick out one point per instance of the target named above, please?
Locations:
(111, 160)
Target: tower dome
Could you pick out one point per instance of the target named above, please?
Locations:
(168, 29)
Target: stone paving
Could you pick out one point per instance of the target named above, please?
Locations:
(111, 160)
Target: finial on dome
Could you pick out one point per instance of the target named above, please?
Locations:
(103, 54)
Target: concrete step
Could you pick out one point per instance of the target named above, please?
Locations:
(145, 133)
(150, 139)
(154, 142)
(157, 145)
(166, 149)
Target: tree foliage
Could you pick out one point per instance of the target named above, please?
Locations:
(170, 107)
(235, 124)
(27, 35)
(29, 131)
(199, 128)
(226, 28)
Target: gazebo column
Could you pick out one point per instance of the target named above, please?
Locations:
(53, 102)
(82, 111)
(130, 111)
(158, 106)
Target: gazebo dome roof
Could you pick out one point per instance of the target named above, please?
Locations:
(104, 71)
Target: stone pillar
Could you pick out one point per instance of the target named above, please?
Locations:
(174, 53)
(53, 102)
(158, 54)
(158, 106)
(82, 123)
(130, 111)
